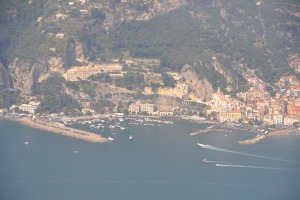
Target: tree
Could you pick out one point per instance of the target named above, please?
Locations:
(54, 97)
(8, 98)
(168, 80)
(100, 104)
(296, 124)
(70, 53)
(98, 15)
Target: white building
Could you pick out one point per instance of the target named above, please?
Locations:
(31, 107)
(133, 108)
(289, 120)
(147, 107)
(278, 119)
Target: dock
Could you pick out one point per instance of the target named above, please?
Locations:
(63, 130)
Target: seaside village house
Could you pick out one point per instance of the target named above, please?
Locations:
(151, 109)
(234, 115)
(30, 107)
(139, 107)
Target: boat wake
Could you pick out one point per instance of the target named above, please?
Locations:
(205, 146)
(251, 167)
(212, 161)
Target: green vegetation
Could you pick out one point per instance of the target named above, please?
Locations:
(104, 78)
(18, 29)
(191, 35)
(131, 81)
(97, 15)
(8, 98)
(87, 87)
(168, 80)
(72, 86)
(260, 38)
(101, 104)
(54, 98)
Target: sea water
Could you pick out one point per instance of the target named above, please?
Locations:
(160, 163)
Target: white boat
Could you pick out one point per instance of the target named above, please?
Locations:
(111, 126)
(206, 146)
(26, 143)
(111, 139)
(130, 137)
(210, 127)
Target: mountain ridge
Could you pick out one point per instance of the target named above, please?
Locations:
(221, 40)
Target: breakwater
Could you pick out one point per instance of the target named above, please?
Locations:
(63, 130)
(282, 132)
(211, 128)
(253, 140)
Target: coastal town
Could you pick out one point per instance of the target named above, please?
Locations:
(92, 86)
(256, 109)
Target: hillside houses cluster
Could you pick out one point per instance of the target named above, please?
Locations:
(258, 105)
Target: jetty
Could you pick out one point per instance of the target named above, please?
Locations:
(211, 128)
(282, 132)
(63, 130)
(255, 140)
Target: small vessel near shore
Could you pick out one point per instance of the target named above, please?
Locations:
(130, 137)
(110, 139)
(26, 143)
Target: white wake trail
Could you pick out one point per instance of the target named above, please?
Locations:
(205, 146)
(212, 161)
(252, 167)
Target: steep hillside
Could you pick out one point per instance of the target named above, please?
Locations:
(235, 32)
(221, 40)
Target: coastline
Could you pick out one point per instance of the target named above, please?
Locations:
(57, 129)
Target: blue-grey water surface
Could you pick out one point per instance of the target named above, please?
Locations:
(160, 163)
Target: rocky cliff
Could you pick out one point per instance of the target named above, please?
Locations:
(201, 89)
(26, 75)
